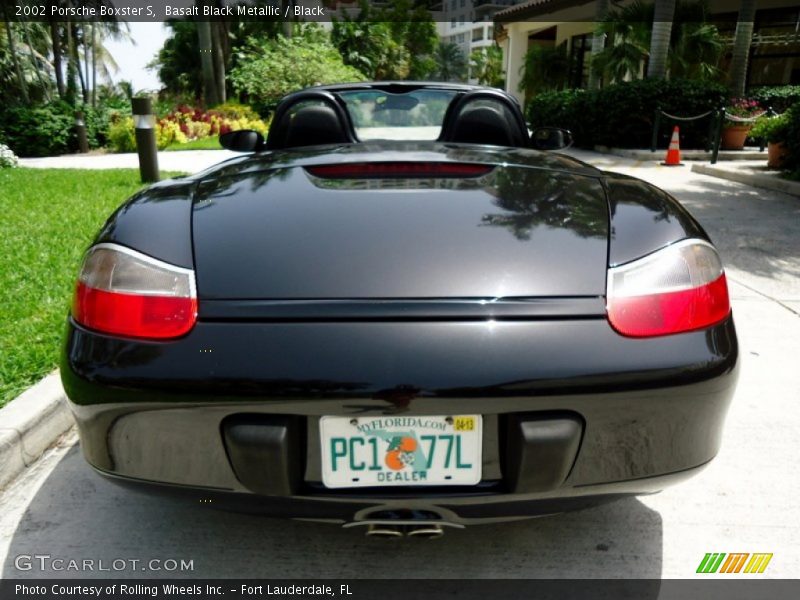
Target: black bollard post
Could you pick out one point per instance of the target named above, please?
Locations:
(80, 131)
(144, 122)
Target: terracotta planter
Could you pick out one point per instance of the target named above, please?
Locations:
(733, 137)
(776, 155)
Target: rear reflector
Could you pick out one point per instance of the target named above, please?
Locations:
(399, 169)
(126, 293)
(679, 288)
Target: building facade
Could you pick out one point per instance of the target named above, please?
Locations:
(774, 53)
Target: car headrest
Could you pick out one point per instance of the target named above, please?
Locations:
(482, 125)
(314, 125)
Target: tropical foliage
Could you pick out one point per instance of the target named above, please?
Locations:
(621, 115)
(451, 63)
(544, 69)
(269, 69)
(695, 46)
(394, 42)
(486, 65)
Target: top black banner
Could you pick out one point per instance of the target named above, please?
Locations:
(452, 13)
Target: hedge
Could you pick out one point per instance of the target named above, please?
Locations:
(780, 98)
(621, 115)
(49, 129)
(793, 139)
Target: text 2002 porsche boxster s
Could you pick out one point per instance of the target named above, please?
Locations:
(399, 312)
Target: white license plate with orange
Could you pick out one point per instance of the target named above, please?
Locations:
(401, 450)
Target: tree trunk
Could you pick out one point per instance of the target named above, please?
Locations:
(77, 66)
(44, 85)
(659, 39)
(94, 64)
(23, 88)
(55, 34)
(741, 47)
(287, 22)
(205, 40)
(598, 41)
(219, 60)
(70, 93)
(86, 60)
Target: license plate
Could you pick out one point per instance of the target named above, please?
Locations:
(401, 450)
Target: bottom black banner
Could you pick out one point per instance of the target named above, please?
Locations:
(399, 589)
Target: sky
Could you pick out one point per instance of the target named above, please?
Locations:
(149, 38)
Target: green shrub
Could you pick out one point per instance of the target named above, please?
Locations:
(570, 109)
(792, 139)
(121, 135)
(39, 131)
(773, 130)
(269, 69)
(621, 115)
(780, 98)
(49, 129)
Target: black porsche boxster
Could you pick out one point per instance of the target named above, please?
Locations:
(401, 311)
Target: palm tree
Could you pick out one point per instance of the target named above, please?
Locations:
(598, 39)
(23, 86)
(741, 46)
(452, 64)
(544, 68)
(486, 65)
(694, 48)
(660, 38)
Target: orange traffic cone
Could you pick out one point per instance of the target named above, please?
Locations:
(674, 153)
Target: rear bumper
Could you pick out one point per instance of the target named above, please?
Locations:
(647, 412)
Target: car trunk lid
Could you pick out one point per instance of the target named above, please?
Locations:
(500, 232)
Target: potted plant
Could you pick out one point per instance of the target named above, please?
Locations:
(734, 133)
(775, 131)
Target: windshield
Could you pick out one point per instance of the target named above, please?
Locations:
(415, 115)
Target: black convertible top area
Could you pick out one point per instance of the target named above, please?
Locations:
(358, 112)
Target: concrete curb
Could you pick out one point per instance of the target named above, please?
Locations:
(658, 155)
(30, 424)
(761, 180)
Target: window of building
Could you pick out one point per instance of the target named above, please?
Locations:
(477, 34)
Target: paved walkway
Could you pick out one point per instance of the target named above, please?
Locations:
(186, 161)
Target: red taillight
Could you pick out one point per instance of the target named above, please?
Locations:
(126, 293)
(679, 288)
(398, 169)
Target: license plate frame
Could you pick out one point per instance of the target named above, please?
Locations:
(395, 451)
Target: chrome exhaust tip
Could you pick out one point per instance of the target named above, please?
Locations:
(383, 531)
(425, 531)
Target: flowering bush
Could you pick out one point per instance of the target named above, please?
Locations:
(8, 159)
(195, 123)
(185, 124)
(743, 108)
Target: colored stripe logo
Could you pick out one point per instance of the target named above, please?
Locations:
(737, 562)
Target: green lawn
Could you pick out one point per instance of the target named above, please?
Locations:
(207, 143)
(47, 219)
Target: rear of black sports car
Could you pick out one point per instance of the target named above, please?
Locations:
(401, 332)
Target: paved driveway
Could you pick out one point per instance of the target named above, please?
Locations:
(747, 500)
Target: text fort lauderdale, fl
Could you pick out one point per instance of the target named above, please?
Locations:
(243, 11)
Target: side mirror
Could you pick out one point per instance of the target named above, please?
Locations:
(244, 140)
(550, 138)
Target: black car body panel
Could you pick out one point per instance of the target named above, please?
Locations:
(650, 408)
(510, 233)
(417, 296)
